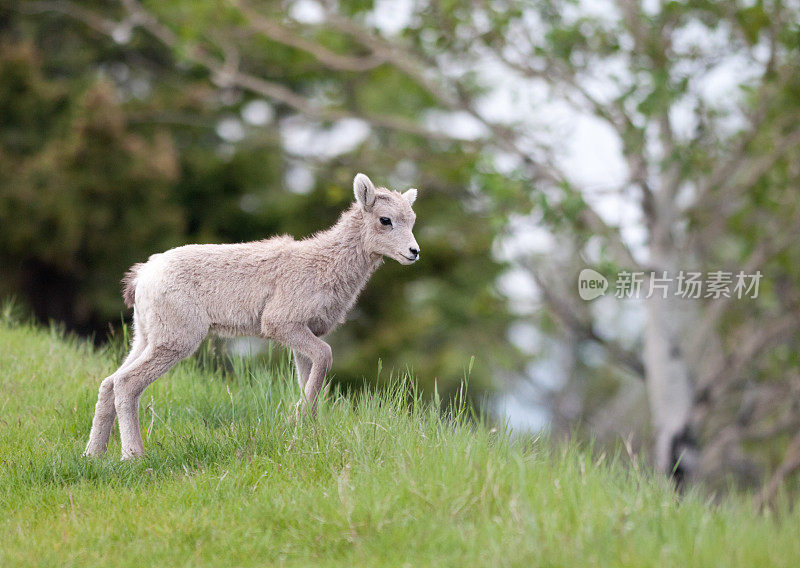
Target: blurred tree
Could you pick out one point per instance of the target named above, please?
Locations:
(149, 144)
(702, 100)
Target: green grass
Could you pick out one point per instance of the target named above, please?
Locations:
(378, 480)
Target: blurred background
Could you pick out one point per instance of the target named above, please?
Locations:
(545, 137)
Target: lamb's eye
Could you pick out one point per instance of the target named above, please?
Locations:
(386, 221)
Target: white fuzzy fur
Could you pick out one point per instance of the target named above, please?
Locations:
(290, 291)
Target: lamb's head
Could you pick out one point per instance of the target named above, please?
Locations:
(388, 220)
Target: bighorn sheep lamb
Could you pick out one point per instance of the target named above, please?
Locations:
(289, 291)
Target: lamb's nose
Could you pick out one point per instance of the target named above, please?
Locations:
(414, 252)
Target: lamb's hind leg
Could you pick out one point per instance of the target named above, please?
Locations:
(129, 385)
(104, 411)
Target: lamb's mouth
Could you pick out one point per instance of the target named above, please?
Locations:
(409, 258)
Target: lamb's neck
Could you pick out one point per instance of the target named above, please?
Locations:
(343, 245)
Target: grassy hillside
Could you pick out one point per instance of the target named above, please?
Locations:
(373, 482)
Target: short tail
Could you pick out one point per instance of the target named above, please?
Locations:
(129, 284)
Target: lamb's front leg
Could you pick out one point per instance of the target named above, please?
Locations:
(321, 363)
(301, 340)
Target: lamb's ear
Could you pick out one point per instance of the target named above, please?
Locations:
(364, 191)
(411, 195)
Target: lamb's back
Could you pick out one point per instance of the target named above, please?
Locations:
(230, 282)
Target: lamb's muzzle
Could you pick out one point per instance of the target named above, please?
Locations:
(293, 292)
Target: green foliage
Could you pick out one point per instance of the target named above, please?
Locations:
(753, 19)
(30, 103)
(79, 201)
(377, 480)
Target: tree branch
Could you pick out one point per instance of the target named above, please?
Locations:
(74, 11)
(584, 330)
(750, 171)
(225, 74)
(756, 339)
(286, 36)
(791, 462)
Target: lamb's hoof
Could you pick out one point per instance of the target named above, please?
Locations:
(132, 455)
(93, 452)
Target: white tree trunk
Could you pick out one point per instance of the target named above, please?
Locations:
(669, 389)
